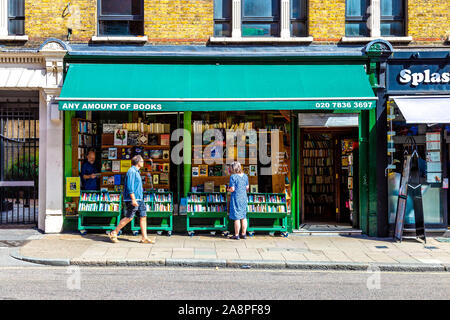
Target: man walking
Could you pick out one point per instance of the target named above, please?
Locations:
(133, 197)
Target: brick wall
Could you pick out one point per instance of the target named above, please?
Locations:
(429, 21)
(191, 21)
(326, 20)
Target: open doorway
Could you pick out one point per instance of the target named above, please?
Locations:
(329, 175)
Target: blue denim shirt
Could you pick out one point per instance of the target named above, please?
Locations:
(88, 169)
(133, 184)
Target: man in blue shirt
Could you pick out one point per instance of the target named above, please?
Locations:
(133, 197)
(89, 173)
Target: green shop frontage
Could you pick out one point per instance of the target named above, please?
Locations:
(301, 121)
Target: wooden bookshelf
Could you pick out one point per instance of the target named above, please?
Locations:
(84, 135)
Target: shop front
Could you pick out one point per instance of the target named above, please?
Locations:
(189, 120)
(418, 120)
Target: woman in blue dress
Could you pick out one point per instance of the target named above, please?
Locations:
(238, 202)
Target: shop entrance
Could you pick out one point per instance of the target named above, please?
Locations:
(329, 167)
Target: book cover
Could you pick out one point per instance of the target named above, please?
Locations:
(153, 140)
(111, 127)
(166, 154)
(155, 179)
(116, 166)
(209, 186)
(166, 167)
(165, 139)
(125, 165)
(142, 139)
(105, 153)
(223, 188)
(203, 170)
(253, 188)
(117, 179)
(164, 178)
(112, 153)
(105, 180)
(106, 166)
(133, 138)
(120, 137)
(246, 170)
(155, 154)
(111, 180)
(145, 155)
(195, 171)
(253, 170)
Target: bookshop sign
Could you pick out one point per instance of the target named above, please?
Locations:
(343, 104)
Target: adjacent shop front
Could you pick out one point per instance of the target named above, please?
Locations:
(295, 126)
(418, 119)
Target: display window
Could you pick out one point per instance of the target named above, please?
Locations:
(429, 140)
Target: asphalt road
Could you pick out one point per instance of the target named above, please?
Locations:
(125, 283)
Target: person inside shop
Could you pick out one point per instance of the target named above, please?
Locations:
(133, 197)
(89, 172)
(238, 202)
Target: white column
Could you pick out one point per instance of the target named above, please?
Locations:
(3, 17)
(285, 23)
(236, 19)
(51, 171)
(374, 19)
(54, 164)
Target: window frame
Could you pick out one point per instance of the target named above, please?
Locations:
(15, 18)
(299, 20)
(116, 17)
(402, 18)
(224, 20)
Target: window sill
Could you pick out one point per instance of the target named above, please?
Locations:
(368, 39)
(261, 39)
(130, 39)
(14, 38)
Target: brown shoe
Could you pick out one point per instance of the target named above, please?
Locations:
(113, 237)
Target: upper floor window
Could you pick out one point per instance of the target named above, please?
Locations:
(121, 17)
(356, 18)
(392, 18)
(16, 17)
(260, 18)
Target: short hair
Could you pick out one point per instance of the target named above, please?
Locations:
(90, 150)
(136, 159)
(236, 167)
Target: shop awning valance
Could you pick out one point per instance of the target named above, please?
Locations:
(427, 110)
(218, 87)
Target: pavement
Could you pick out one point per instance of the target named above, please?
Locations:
(351, 252)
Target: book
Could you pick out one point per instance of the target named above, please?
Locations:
(166, 167)
(145, 155)
(111, 127)
(120, 137)
(117, 179)
(155, 179)
(253, 170)
(203, 170)
(253, 188)
(106, 166)
(223, 188)
(164, 178)
(165, 139)
(153, 140)
(115, 166)
(142, 139)
(105, 153)
(195, 172)
(133, 138)
(112, 153)
(209, 186)
(125, 165)
(156, 154)
(166, 154)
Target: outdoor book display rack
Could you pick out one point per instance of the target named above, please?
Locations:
(211, 207)
(103, 207)
(267, 212)
(159, 208)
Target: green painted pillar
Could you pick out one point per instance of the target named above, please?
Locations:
(293, 177)
(363, 171)
(187, 151)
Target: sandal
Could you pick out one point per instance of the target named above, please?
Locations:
(147, 241)
(113, 237)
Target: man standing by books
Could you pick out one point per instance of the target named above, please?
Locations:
(133, 196)
(89, 173)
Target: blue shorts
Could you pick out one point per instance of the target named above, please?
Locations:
(132, 211)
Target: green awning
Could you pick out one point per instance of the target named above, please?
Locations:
(221, 87)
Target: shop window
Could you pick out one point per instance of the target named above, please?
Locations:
(121, 17)
(356, 18)
(392, 18)
(16, 17)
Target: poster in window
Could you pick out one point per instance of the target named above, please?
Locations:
(73, 186)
